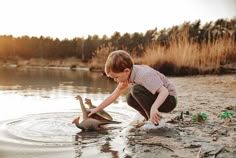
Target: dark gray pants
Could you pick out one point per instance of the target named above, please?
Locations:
(141, 100)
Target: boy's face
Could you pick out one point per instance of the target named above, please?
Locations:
(120, 76)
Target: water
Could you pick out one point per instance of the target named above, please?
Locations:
(38, 106)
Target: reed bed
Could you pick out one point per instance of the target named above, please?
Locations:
(204, 58)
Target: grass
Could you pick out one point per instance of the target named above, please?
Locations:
(190, 58)
(181, 58)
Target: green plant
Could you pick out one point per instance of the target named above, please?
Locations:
(199, 117)
(227, 115)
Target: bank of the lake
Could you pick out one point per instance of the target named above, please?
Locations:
(166, 68)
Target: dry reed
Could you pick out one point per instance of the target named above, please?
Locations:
(203, 57)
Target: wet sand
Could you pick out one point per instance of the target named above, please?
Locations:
(185, 138)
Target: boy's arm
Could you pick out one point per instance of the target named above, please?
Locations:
(111, 98)
(155, 115)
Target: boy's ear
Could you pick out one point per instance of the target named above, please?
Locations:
(126, 70)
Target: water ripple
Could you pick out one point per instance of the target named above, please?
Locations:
(47, 129)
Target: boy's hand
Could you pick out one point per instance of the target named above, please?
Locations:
(92, 111)
(155, 116)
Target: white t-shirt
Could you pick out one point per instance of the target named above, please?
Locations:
(151, 79)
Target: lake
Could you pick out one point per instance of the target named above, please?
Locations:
(38, 106)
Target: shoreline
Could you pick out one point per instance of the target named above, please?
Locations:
(221, 71)
(46, 67)
(76, 64)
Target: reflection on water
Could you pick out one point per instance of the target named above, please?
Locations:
(84, 144)
(41, 79)
(103, 143)
(48, 90)
(39, 105)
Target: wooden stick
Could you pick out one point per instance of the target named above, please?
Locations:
(165, 146)
(159, 144)
(199, 153)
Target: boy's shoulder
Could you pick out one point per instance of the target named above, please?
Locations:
(144, 68)
(140, 71)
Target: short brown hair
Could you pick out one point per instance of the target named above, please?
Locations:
(117, 61)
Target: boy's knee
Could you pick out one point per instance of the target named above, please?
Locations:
(169, 104)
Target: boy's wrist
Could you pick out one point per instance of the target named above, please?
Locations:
(155, 106)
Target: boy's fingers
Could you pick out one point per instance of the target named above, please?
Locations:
(155, 122)
(156, 119)
(86, 99)
(89, 114)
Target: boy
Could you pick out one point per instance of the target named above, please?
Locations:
(151, 92)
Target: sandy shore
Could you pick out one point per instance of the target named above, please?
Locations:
(183, 138)
(180, 136)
